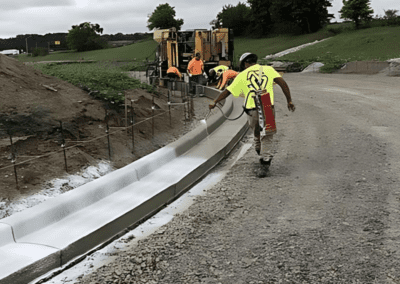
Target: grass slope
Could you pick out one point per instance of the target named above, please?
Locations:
(380, 43)
(134, 52)
(265, 46)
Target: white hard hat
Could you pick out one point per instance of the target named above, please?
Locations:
(244, 57)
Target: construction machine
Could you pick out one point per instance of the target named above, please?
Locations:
(177, 48)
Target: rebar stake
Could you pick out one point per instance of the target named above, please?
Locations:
(63, 146)
(13, 158)
(108, 137)
(133, 122)
(152, 117)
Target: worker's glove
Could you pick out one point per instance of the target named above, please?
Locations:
(291, 106)
(190, 75)
(212, 105)
(205, 75)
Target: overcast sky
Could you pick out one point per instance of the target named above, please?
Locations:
(125, 16)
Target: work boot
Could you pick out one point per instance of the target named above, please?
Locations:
(266, 162)
(262, 171)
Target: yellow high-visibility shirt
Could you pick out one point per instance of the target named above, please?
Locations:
(220, 69)
(248, 81)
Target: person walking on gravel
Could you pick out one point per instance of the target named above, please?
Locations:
(244, 85)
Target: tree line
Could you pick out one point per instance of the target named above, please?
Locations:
(262, 18)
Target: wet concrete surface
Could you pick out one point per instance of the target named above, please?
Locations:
(328, 213)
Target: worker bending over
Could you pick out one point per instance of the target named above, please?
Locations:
(227, 77)
(195, 70)
(174, 73)
(215, 73)
(245, 84)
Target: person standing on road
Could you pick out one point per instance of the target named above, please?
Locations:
(195, 70)
(227, 76)
(244, 85)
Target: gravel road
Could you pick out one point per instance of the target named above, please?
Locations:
(328, 213)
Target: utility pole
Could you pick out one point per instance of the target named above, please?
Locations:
(26, 39)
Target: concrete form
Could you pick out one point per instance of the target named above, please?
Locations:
(363, 67)
(53, 233)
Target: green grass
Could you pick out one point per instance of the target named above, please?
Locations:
(265, 46)
(134, 52)
(380, 43)
(103, 80)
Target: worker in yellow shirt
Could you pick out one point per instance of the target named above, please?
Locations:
(174, 73)
(245, 84)
(226, 78)
(216, 72)
(195, 70)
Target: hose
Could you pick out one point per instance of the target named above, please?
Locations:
(230, 119)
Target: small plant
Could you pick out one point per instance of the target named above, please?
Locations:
(40, 51)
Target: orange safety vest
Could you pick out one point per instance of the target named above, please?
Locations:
(227, 75)
(175, 71)
(195, 67)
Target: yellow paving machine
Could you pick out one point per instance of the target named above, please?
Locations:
(177, 48)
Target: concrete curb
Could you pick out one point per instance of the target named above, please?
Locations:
(57, 231)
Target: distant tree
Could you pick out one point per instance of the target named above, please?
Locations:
(261, 19)
(163, 18)
(305, 16)
(390, 14)
(215, 24)
(357, 11)
(235, 17)
(85, 36)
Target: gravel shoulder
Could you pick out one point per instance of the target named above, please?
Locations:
(328, 212)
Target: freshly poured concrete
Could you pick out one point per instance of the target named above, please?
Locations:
(51, 234)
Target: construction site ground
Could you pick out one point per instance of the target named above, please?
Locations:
(327, 213)
(32, 106)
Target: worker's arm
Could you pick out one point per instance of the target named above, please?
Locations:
(221, 97)
(219, 82)
(224, 80)
(285, 88)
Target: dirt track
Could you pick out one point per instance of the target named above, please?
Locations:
(329, 212)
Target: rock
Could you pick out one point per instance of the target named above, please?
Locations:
(394, 68)
(313, 67)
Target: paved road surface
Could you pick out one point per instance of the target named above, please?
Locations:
(329, 212)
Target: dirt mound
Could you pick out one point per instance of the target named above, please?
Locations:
(34, 102)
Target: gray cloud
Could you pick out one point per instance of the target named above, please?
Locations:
(125, 16)
(27, 4)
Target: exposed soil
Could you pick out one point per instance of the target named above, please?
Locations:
(31, 112)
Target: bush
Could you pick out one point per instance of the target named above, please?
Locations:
(40, 51)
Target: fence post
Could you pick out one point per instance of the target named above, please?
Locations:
(13, 158)
(63, 146)
(152, 117)
(133, 122)
(108, 136)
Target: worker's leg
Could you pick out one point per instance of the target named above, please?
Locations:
(266, 154)
(263, 145)
(195, 81)
(252, 119)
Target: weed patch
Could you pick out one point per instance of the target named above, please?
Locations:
(102, 80)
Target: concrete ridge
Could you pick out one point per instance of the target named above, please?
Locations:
(53, 233)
